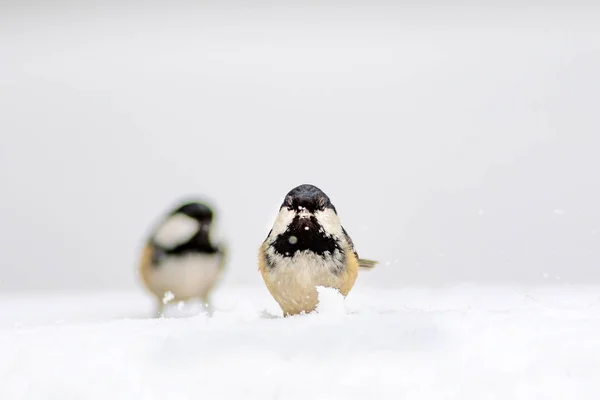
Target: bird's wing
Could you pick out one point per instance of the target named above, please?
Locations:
(362, 263)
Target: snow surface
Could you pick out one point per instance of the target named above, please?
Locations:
(467, 342)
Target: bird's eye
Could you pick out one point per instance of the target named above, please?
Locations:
(321, 203)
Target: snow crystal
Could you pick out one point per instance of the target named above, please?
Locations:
(168, 296)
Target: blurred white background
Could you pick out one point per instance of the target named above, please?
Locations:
(459, 142)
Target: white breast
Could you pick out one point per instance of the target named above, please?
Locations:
(293, 281)
(188, 276)
(304, 268)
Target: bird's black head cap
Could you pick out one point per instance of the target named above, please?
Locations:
(309, 197)
(194, 209)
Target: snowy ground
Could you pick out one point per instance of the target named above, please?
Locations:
(452, 343)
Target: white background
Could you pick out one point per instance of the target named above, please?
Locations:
(458, 142)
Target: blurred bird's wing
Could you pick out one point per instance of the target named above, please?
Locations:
(362, 262)
(223, 251)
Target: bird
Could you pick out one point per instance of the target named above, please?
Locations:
(308, 247)
(179, 260)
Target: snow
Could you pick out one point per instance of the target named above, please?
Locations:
(168, 297)
(467, 342)
(331, 302)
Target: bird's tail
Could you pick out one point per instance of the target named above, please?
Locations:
(366, 264)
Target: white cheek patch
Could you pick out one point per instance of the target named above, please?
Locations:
(330, 221)
(284, 218)
(176, 230)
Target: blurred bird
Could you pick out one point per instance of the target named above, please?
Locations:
(179, 261)
(308, 247)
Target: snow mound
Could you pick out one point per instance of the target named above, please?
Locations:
(331, 302)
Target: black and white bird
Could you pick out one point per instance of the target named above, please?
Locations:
(308, 247)
(179, 261)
